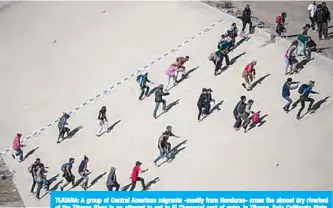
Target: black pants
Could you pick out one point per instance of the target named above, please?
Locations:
(115, 185)
(302, 100)
(322, 29)
(200, 110)
(280, 29)
(244, 25)
(134, 183)
(157, 105)
(63, 131)
(238, 122)
(207, 107)
(218, 65)
(39, 187)
(33, 183)
(144, 91)
(312, 23)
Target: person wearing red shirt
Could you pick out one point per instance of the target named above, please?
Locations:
(180, 61)
(248, 75)
(135, 176)
(17, 147)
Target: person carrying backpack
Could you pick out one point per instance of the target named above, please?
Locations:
(280, 22)
(142, 79)
(83, 172)
(62, 127)
(67, 173)
(32, 170)
(304, 90)
(287, 86)
(111, 182)
(290, 59)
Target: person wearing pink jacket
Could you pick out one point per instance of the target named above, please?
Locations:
(171, 74)
(17, 147)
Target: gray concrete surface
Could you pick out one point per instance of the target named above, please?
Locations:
(297, 17)
(9, 195)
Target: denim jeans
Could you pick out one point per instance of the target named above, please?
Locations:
(163, 152)
(157, 105)
(290, 101)
(85, 177)
(19, 153)
(144, 91)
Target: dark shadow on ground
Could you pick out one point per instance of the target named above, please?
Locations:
(125, 188)
(55, 187)
(78, 182)
(150, 183)
(71, 134)
(174, 151)
(30, 153)
(319, 50)
(300, 65)
(53, 179)
(186, 76)
(244, 39)
(110, 128)
(168, 107)
(318, 104)
(234, 59)
(259, 80)
(152, 91)
(216, 107)
(93, 182)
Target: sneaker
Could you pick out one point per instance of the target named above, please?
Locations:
(84, 187)
(61, 188)
(298, 117)
(236, 129)
(156, 164)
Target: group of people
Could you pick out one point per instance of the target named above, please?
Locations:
(242, 112)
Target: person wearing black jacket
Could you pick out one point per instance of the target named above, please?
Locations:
(246, 18)
(159, 99)
(32, 169)
(207, 102)
(321, 18)
(238, 111)
(328, 17)
(200, 103)
(111, 181)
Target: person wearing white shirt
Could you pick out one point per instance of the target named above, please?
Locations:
(312, 9)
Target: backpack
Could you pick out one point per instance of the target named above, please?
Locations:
(138, 78)
(63, 167)
(302, 38)
(278, 19)
(302, 88)
(255, 118)
(212, 56)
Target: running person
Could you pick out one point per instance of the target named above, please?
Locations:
(142, 80)
(67, 173)
(102, 121)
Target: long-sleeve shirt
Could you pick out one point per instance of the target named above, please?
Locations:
(159, 95)
(112, 179)
(307, 92)
(246, 14)
(62, 122)
(17, 143)
(83, 167)
(286, 89)
(143, 80)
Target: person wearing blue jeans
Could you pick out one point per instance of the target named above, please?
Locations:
(163, 147)
(286, 93)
